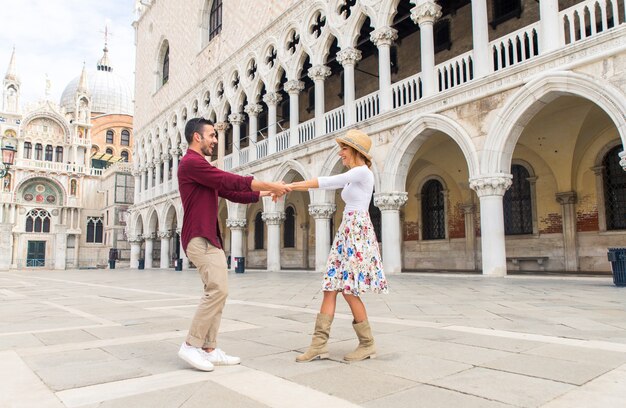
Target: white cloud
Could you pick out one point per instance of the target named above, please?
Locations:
(54, 37)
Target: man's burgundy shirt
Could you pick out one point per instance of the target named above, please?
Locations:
(200, 184)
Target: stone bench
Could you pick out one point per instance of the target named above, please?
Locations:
(540, 260)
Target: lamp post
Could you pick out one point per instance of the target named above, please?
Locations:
(8, 156)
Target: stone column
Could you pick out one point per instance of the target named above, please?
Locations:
(490, 190)
(220, 128)
(175, 155)
(568, 210)
(143, 175)
(135, 250)
(551, 37)
(383, 38)
(60, 247)
(322, 214)
(150, 173)
(149, 247)
(318, 74)
(157, 167)
(236, 119)
(425, 14)
(271, 99)
(390, 204)
(622, 162)
(237, 228)
(483, 62)
(137, 175)
(183, 255)
(165, 158)
(293, 88)
(470, 236)
(6, 245)
(165, 236)
(253, 111)
(273, 221)
(348, 59)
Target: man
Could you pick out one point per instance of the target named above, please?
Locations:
(200, 184)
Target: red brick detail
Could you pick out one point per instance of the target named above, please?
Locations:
(587, 221)
(411, 231)
(456, 223)
(551, 224)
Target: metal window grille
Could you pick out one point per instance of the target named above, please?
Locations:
(259, 229)
(433, 211)
(517, 204)
(289, 231)
(614, 179)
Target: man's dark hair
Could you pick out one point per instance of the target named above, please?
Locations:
(195, 125)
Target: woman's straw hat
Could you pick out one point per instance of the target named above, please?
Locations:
(357, 140)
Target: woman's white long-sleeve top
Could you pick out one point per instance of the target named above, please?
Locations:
(357, 184)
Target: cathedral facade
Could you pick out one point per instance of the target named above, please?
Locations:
(498, 127)
(57, 209)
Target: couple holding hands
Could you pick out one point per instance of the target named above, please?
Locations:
(354, 265)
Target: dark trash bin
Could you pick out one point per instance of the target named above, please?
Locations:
(178, 264)
(228, 262)
(111, 263)
(240, 264)
(617, 257)
(142, 264)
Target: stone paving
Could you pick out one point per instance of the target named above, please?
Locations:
(109, 338)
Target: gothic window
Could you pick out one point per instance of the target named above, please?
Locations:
(293, 41)
(614, 179)
(318, 25)
(518, 218)
(95, 230)
(124, 155)
(28, 147)
(270, 58)
(59, 154)
(38, 220)
(376, 216)
(289, 231)
(110, 137)
(49, 151)
(109, 150)
(259, 229)
(166, 66)
(433, 211)
(504, 10)
(125, 139)
(215, 19)
(38, 151)
(345, 8)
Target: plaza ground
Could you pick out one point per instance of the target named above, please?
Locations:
(109, 338)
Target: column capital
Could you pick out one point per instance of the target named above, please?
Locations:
(236, 118)
(236, 224)
(322, 211)
(493, 185)
(184, 146)
(221, 126)
(253, 109)
(567, 197)
(273, 218)
(175, 152)
(151, 165)
(390, 201)
(468, 208)
(426, 11)
(164, 234)
(349, 56)
(319, 72)
(272, 98)
(384, 36)
(135, 239)
(622, 162)
(137, 173)
(294, 87)
(149, 237)
(165, 156)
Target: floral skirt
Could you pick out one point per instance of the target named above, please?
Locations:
(354, 264)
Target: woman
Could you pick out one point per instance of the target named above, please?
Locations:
(354, 264)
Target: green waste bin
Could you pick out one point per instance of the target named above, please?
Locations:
(617, 257)
(178, 265)
(142, 264)
(111, 263)
(240, 264)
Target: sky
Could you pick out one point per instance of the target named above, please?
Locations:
(55, 37)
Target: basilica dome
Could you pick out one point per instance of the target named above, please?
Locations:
(109, 92)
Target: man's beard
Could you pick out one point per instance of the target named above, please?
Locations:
(206, 151)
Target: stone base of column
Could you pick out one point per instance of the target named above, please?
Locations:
(6, 245)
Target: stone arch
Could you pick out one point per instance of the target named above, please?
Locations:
(136, 224)
(530, 99)
(153, 222)
(411, 139)
(60, 189)
(169, 215)
(162, 50)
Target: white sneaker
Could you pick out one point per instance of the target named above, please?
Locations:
(196, 357)
(218, 357)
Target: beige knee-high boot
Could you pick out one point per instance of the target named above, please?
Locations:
(366, 348)
(318, 348)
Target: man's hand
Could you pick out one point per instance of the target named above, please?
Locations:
(279, 188)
